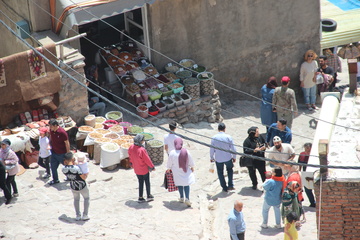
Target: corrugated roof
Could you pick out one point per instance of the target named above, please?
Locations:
(348, 25)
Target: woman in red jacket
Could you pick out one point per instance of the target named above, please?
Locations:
(141, 162)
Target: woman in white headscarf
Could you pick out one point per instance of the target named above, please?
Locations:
(182, 165)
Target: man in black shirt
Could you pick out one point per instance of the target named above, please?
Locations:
(325, 69)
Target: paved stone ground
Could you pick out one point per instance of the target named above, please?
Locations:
(46, 212)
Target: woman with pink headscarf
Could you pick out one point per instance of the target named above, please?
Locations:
(182, 165)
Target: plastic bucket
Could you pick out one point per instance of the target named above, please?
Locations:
(125, 125)
(192, 87)
(90, 120)
(155, 149)
(110, 155)
(114, 115)
(142, 111)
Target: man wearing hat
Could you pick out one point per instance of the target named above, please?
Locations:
(221, 158)
(280, 151)
(284, 101)
(60, 145)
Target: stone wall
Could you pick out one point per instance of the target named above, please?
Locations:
(206, 108)
(339, 214)
(242, 42)
(73, 96)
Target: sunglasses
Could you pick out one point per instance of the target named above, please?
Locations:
(310, 55)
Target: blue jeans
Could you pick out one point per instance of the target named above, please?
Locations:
(99, 108)
(220, 171)
(310, 95)
(56, 160)
(185, 189)
(265, 213)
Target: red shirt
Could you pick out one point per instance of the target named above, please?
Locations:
(140, 160)
(58, 139)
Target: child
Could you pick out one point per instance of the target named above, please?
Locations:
(81, 162)
(78, 185)
(290, 232)
(44, 151)
(11, 162)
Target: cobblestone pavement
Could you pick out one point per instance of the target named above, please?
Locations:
(46, 212)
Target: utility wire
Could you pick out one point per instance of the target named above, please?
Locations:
(185, 137)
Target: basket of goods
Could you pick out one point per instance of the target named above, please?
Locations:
(128, 138)
(136, 54)
(166, 91)
(117, 129)
(94, 135)
(125, 125)
(161, 106)
(114, 115)
(133, 88)
(182, 74)
(154, 94)
(133, 130)
(119, 141)
(112, 61)
(124, 150)
(185, 97)
(153, 110)
(124, 57)
(176, 87)
(129, 66)
(150, 70)
(169, 103)
(188, 63)
(163, 79)
(142, 111)
(112, 135)
(98, 126)
(155, 149)
(90, 120)
(100, 119)
(102, 131)
(105, 53)
(178, 100)
(139, 76)
(114, 51)
(198, 68)
(143, 62)
(120, 70)
(170, 67)
(207, 84)
(151, 82)
(147, 136)
(171, 77)
(86, 129)
(109, 123)
(127, 80)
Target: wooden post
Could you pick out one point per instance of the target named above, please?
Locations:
(352, 63)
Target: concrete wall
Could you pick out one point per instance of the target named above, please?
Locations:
(243, 42)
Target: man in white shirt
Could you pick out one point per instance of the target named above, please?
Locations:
(170, 138)
(280, 151)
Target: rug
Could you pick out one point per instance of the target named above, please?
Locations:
(36, 64)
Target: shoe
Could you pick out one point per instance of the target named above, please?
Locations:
(85, 217)
(278, 226)
(313, 106)
(52, 182)
(231, 189)
(150, 198)
(188, 203)
(225, 190)
(182, 200)
(46, 176)
(8, 201)
(264, 225)
(141, 200)
(254, 187)
(78, 218)
(15, 195)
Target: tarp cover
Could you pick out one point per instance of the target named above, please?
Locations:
(77, 12)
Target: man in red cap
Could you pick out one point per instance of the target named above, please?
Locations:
(284, 101)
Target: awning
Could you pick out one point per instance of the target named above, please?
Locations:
(348, 24)
(77, 12)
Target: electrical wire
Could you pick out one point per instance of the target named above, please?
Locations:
(172, 60)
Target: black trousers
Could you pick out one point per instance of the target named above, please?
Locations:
(45, 163)
(3, 185)
(141, 179)
(241, 236)
(260, 166)
(10, 182)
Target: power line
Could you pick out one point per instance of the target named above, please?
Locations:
(208, 145)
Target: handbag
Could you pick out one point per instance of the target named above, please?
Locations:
(170, 181)
(245, 161)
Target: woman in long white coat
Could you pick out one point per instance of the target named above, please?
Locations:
(182, 165)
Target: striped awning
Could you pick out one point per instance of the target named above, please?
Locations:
(348, 25)
(77, 12)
